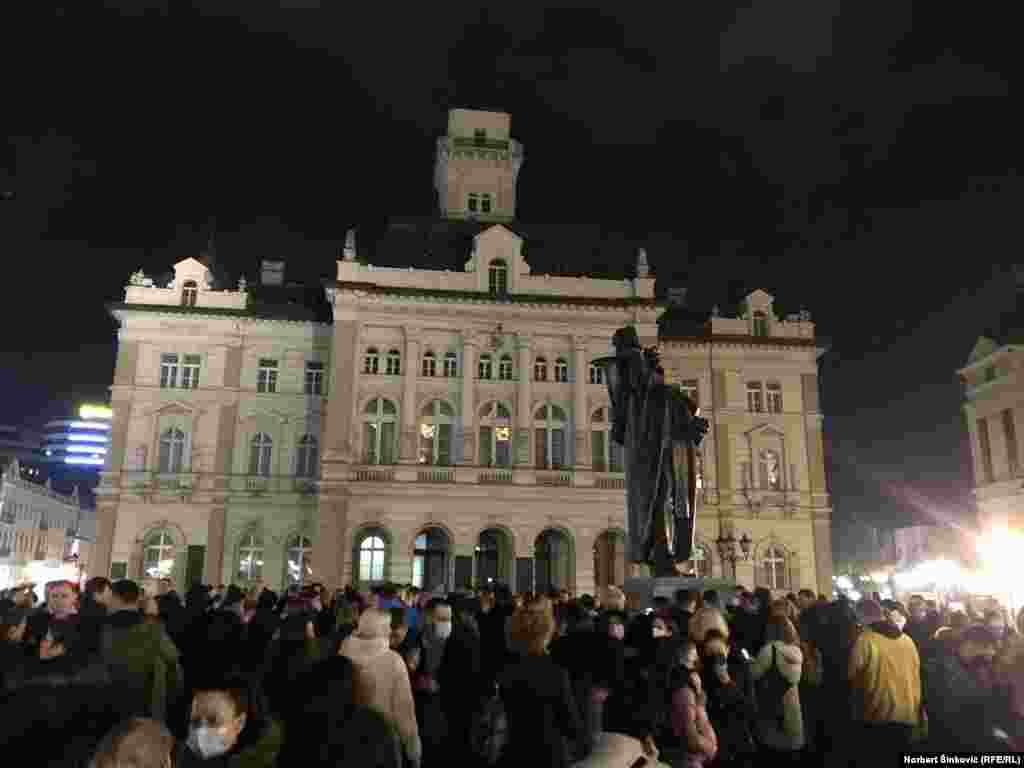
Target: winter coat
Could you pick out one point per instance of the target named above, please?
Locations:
(382, 684)
(961, 710)
(885, 674)
(143, 663)
(789, 734)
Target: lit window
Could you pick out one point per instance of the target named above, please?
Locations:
(435, 431)
(250, 558)
(505, 368)
(314, 378)
(495, 435)
(380, 431)
(190, 372)
(451, 365)
(172, 449)
(266, 376)
(168, 370)
(188, 293)
(305, 457)
(774, 397)
(158, 555)
(549, 423)
(755, 397)
(484, 368)
(394, 364)
(300, 559)
(497, 278)
(561, 371)
(605, 453)
(429, 368)
(596, 374)
(371, 361)
(760, 324)
(540, 369)
(371, 559)
(260, 454)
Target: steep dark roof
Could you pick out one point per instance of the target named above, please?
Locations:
(299, 303)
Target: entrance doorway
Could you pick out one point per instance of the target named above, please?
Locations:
(554, 561)
(493, 557)
(610, 559)
(431, 560)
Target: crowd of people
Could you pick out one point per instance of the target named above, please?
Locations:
(113, 678)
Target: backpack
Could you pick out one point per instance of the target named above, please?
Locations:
(489, 730)
(771, 691)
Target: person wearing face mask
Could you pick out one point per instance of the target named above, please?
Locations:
(690, 740)
(962, 694)
(229, 728)
(731, 703)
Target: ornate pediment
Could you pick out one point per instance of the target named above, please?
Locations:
(174, 407)
(765, 430)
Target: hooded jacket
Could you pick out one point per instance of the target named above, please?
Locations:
(789, 659)
(382, 684)
(885, 675)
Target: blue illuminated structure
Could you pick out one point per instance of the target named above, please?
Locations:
(80, 442)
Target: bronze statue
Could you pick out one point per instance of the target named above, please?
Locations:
(659, 430)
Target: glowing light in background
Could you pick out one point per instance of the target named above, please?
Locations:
(94, 449)
(90, 425)
(84, 460)
(76, 438)
(95, 412)
(842, 582)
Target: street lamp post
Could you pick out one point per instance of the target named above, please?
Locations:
(728, 551)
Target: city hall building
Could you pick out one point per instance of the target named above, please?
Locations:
(438, 420)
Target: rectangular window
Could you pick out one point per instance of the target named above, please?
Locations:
(451, 366)
(774, 397)
(485, 203)
(596, 374)
(562, 372)
(314, 378)
(597, 448)
(474, 202)
(190, 372)
(495, 446)
(168, 370)
(755, 397)
(480, 135)
(615, 456)
(550, 444)
(1010, 433)
(484, 368)
(505, 369)
(486, 446)
(986, 451)
(266, 376)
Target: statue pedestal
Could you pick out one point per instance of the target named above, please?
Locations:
(641, 591)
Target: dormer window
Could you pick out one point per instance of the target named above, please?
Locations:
(480, 136)
(760, 324)
(189, 291)
(485, 203)
(474, 202)
(497, 278)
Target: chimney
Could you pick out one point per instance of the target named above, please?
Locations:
(677, 297)
(272, 272)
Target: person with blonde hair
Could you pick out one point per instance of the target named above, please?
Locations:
(135, 743)
(382, 679)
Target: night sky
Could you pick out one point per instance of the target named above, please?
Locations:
(860, 165)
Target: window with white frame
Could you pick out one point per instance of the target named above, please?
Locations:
(172, 451)
(606, 454)
(485, 203)
(484, 367)
(158, 553)
(306, 457)
(190, 372)
(371, 559)
(774, 390)
(261, 451)
(314, 378)
(266, 375)
(250, 558)
(596, 374)
(435, 431)
(549, 425)
(451, 365)
(371, 361)
(760, 324)
(168, 370)
(429, 367)
(561, 370)
(473, 204)
(755, 397)
(505, 368)
(497, 278)
(189, 292)
(540, 369)
(495, 435)
(299, 554)
(394, 363)
(380, 431)
(773, 568)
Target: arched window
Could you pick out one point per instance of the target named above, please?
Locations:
(495, 435)
(497, 278)
(540, 369)
(371, 361)
(771, 470)
(435, 430)
(299, 560)
(172, 449)
(371, 559)
(250, 558)
(189, 292)
(505, 368)
(305, 457)
(596, 374)
(260, 454)
(484, 368)
(380, 431)
(549, 424)
(701, 561)
(429, 365)
(394, 363)
(451, 365)
(773, 565)
(158, 555)
(606, 454)
(760, 324)
(561, 370)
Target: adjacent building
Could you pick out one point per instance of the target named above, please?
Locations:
(432, 415)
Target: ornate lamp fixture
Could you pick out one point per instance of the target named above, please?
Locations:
(727, 547)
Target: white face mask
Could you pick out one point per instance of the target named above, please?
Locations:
(618, 631)
(443, 629)
(659, 632)
(207, 742)
(898, 620)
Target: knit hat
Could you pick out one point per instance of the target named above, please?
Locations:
(869, 612)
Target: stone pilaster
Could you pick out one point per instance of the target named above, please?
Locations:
(102, 551)
(581, 419)
(467, 417)
(329, 544)
(215, 541)
(524, 399)
(408, 449)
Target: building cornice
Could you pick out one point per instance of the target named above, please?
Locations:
(723, 340)
(116, 309)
